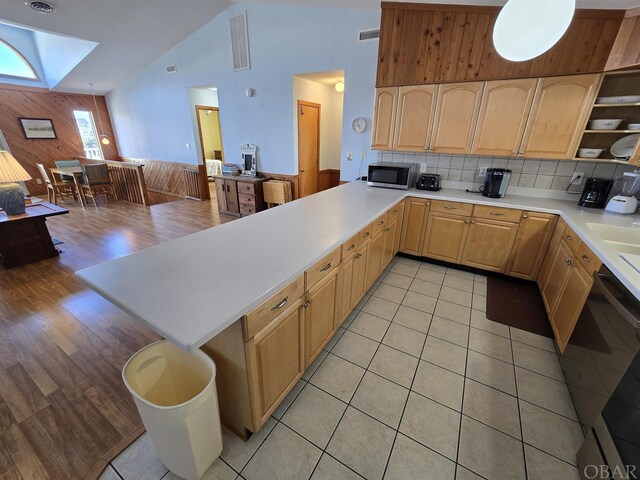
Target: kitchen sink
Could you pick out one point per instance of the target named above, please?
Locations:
(621, 239)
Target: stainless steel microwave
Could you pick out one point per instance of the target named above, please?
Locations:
(392, 175)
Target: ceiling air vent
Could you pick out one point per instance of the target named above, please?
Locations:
(41, 7)
(365, 35)
(171, 69)
(239, 41)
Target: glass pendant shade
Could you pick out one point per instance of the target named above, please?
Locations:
(526, 29)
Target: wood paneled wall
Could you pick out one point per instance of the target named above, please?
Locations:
(626, 49)
(16, 102)
(167, 178)
(328, 178)
(428, 43)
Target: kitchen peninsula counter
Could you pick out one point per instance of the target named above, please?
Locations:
(190, 289)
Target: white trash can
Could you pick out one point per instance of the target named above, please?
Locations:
(175, 393)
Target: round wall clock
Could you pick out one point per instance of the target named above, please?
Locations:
(359, 124)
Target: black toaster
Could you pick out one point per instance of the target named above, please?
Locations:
(428, 181)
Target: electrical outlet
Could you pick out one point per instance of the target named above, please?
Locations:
(423, 168)
(39, 181)
(482, 172)
(349, 156)
(188, 146)
(579, 176)
(363, 154)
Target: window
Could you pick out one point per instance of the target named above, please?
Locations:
(13, 64)
(88, 134)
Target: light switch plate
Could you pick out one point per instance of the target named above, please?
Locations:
(482, 172)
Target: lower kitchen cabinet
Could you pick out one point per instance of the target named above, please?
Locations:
(374, 262)
(488, 244)
(553, 247)
(416, 213)
(534, 234)
(560, 267)
(445, 236)
(360, 264)
(388, 249)
(319, 318)
(344, 288)
(275, 361)
(399, 214)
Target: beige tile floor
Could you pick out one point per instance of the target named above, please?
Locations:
(417, 384)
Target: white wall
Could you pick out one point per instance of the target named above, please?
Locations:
(330, 119)
(152, 113)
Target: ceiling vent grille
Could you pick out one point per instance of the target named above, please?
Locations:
(366, 35)
(239, 41)
(42, 7)
(171, 69)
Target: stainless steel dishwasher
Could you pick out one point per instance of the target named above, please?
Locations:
(602, 368)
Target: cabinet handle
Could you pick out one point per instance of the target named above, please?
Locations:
(326, 267)
(586, 259)
(358, 255)
(525, 216)
(307, 303)
(570, 238)
(394, 212)
(366, 235)
(521, 152)
(568, 262)
(281, 304)
(449, 208)
(353, 245)
(381, 222)
(387, 229)
(473, 222)
(497, 214)
(466, 221)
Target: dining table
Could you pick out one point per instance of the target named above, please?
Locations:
(76, 173)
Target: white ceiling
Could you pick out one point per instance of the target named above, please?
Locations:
(132, 33)
(325, 78)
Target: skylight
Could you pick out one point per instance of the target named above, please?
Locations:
(13, 64)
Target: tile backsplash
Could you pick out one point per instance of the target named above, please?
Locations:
(531, 173)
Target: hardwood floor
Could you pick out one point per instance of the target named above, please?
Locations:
(63, 407)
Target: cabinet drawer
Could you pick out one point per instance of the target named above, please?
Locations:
(588, 259)
(247, 209)
(394, 212)
(247, 198)
(350, 246)
(322, 268)
(453, 208)
(497, 213)
(365, 234)
(379, 224)
(263, 314)
(571, 239)
(246, 187)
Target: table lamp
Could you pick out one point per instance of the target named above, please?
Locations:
(11, 196)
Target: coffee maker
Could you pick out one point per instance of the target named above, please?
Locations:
(496, 182)
(595, 192)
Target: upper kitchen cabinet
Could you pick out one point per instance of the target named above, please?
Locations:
(626, 49)
(455, 118)
(437, 43)
(384, 118)
(414, 118)
(560, 110)
(503, 116)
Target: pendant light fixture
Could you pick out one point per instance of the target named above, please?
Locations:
(103, 137)
(526, 29)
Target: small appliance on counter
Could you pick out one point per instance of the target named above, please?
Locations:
(626, 202)
(392, 175)
(496, 182)
(429, 181)
(595, 192)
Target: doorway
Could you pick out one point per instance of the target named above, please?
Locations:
(210, 132)
(308, 147)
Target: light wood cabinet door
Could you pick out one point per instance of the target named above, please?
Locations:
(553, 247)
(445, 237)
(456, 116)
(374, 262)
(231, 190)
(384, 118)
(360, 263)
(414, 119)
(560, 268)
(388, 249)
(488, 244)
(319, 318)
(414, 222)
(569, 305)
(400, 223)
(503, 116)
(345, 286)
(275, 359)
(534, 235)
(560, 111)
(221, 195)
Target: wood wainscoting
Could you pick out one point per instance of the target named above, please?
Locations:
(328, 178)
(32, 102)
(128, 180)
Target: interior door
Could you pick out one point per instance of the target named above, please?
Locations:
(308, 147)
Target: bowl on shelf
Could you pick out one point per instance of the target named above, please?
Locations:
(605, 123)
(590, 152)
(634, 126)
(619, 99)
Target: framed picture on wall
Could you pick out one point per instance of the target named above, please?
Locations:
(38, 128)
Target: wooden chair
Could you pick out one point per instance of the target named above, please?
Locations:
(276, 192)
(57, 189)
(65, 164)
(96, 180)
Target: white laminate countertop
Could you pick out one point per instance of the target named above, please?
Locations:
(190, 289)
